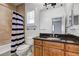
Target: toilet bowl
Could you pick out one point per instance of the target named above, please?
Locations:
(22, 50)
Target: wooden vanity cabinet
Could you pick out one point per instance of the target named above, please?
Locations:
(51, 48)
(46, 48)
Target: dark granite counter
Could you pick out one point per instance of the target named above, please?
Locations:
(62, 38)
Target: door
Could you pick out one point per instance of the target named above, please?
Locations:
(38, 50)
(57, 26)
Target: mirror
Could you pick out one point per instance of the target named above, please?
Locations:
(73, 27)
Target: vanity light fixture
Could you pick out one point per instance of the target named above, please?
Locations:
(51, 5)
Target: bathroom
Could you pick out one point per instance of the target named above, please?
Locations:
(24, 26)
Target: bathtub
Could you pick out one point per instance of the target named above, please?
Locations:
(5, 50)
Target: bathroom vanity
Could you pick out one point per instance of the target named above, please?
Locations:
(56, 46)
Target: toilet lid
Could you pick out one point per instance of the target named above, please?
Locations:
(22, 47)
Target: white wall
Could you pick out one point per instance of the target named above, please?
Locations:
(32, 33)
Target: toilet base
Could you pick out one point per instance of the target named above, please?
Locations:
(25, 52)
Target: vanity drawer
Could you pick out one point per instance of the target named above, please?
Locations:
(72, 48)
(53, 44)
(72, 54)
(37, 42)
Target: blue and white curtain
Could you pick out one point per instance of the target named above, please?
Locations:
(17, 31)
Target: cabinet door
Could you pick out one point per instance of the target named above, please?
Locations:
(72, 54)
(46, 51)
(72, 48)
(56, 52)
(38, 50)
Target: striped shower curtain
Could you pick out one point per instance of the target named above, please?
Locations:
(17, 32)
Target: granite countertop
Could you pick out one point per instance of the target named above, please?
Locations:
(70, 41)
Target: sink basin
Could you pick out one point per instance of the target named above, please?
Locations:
(50, 38)
(53, 38)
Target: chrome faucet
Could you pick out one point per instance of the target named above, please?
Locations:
(53, 34)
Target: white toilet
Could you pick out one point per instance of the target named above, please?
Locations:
(22, 50)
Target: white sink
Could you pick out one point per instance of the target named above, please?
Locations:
(53, 38)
